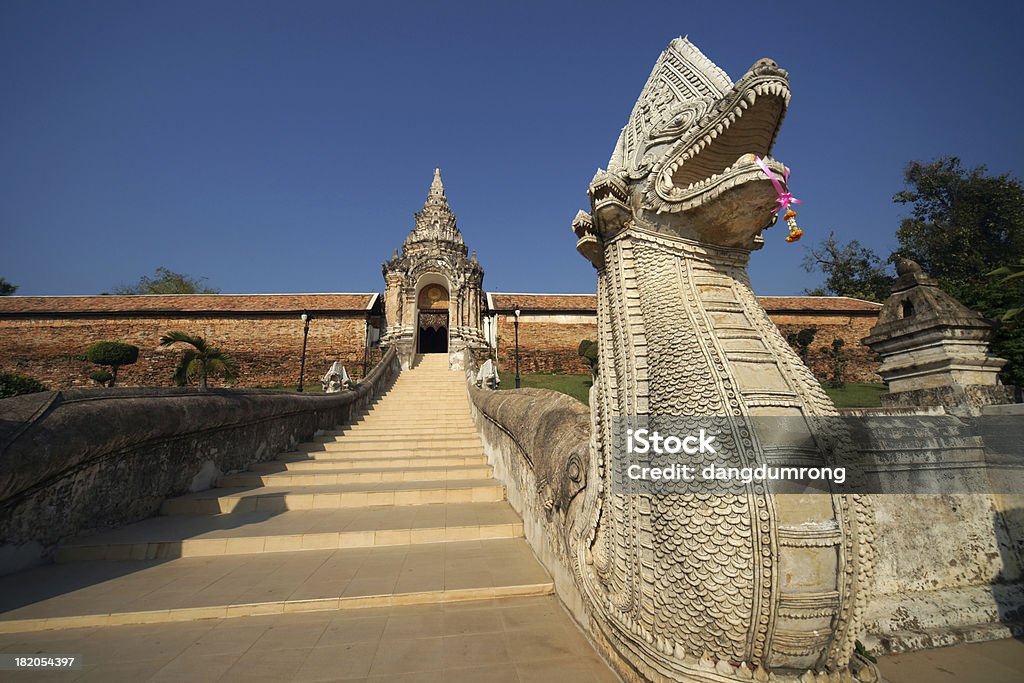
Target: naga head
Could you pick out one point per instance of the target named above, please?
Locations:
(685, 162)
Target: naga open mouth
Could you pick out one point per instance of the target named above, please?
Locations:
(721, 153)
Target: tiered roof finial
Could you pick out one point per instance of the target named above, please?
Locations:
(436, 220)
(436, 185)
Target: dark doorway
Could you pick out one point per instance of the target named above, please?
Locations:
(433, 332)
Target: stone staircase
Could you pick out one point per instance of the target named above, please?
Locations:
(398, 508)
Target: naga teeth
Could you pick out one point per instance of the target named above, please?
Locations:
(751, 97)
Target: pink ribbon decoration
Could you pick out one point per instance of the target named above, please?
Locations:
(785, 198)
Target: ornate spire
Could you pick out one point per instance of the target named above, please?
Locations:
(436, 220)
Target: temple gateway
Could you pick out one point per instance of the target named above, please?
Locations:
(432, 290)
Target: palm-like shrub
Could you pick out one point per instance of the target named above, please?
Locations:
(200, 361)
(1007, 274)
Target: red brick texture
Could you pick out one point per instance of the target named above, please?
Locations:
(42, 337)
(267, 344)
(547, 343)
(850, 327)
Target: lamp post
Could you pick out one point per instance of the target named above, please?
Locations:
(517, 312)
(305, 336)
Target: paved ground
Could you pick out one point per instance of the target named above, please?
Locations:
(997, 661)
(518, 640)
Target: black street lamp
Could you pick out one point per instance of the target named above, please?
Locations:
(305, 335)
(517, 312)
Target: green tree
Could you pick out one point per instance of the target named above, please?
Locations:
(167, 282)
(6, 288)
(965, 224)
(850, 269)
(113, 355)
(200, 361)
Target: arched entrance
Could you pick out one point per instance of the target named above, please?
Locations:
(432, 304)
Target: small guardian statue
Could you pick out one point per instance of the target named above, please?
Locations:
(487, 375)
(336, 379)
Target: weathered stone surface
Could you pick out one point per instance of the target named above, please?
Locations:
(75, 461)
(934, 349)
(538, 443)
(948, 564)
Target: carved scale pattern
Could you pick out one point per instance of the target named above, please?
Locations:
(703, 559)
(852, 511)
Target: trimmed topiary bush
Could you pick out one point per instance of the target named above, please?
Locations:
(113, 355)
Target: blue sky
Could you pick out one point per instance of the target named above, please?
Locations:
(283, 146)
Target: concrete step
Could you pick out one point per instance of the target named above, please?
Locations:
(281, 498)
(302, 463)
(398, 440)
(422, 410)
(423, 394)
(355, 476)
(365, 445)
(413, 418)
(86, 594)
(399, 431)
(426, 424)
(396, 435)
(161, 538)
(416, 452)
(412, 453)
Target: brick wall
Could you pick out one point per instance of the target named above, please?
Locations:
(850, 327)
(268, 343)
(268, 348)
(548, 343)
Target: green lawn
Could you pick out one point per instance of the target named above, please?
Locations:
(853, 395)
(857, 395)
(576, 386)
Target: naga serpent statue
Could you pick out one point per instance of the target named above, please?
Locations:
(746, 586)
